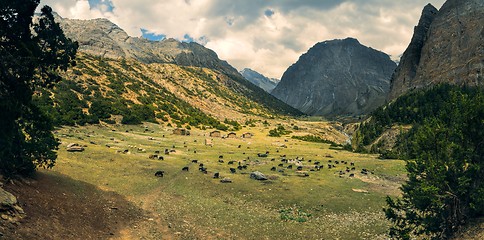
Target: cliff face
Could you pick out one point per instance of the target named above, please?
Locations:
(447, 47)
(338, 77)
(101, 37)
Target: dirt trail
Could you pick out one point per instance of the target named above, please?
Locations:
(58, 207)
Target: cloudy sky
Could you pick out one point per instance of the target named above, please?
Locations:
(265, 35)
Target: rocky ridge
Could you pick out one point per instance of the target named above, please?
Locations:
(337, 77)
(447, 47)
(101, 37)
(268, 84)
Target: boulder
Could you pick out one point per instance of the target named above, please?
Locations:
(258, 176)
(7, 200)
(225, 180)
(74, 147)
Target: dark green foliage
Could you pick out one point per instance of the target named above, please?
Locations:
(312, 138)
(31, 55)
(294, 214)
(279, 131)
(445, 187)
(235, 125)
(101, 108)
(410, 109)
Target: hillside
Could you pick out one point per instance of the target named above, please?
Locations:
(178, 81)
(182, 84)
(99, 88)
(259, 80)
(415, 109)
(337, 78)
(447, 47)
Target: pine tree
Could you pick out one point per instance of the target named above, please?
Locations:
(445, 187)
(31, 55)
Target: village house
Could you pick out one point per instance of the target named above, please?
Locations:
(215, 133)
(247, 135)
(181, 131)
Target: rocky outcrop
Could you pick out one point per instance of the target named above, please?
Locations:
(10, 211)
(258, 176)
(337, 77)
(268, 84)
(447, 47)
(410, 59)
(101, 37)
(74, 147)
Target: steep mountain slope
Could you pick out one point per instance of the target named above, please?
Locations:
(447, 47)
(99, 88)
(337, 77)
(105, 45)
(259, 80)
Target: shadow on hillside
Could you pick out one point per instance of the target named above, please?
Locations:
(59, 207)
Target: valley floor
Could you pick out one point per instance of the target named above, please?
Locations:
(110, 191)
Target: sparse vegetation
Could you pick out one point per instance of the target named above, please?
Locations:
(279, 131)
(312, 138)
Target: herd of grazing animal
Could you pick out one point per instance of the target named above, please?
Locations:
(296, 162)
(340, 167)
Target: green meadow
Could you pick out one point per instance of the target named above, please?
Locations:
(291, 204)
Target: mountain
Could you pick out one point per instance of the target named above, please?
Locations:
(447, 47)
(103, 38)
(178, 82)
(337, 77)
(268, 84)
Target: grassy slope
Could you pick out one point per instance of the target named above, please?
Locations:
(181, 88)
(194, 205)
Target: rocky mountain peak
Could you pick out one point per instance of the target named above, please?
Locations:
(101, 37)
(268, 84)
(447, 47)
(337, 77)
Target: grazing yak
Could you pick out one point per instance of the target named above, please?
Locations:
(216, 175)
(159, 173)
(232, 170)
(185, 169)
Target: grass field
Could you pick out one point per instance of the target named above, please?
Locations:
(193, 205)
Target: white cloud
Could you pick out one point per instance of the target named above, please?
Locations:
(268, 35)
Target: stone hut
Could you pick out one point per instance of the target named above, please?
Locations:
(208, 142)
(215, 133)
(231, 135)
(181, 131)
(247, 135)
